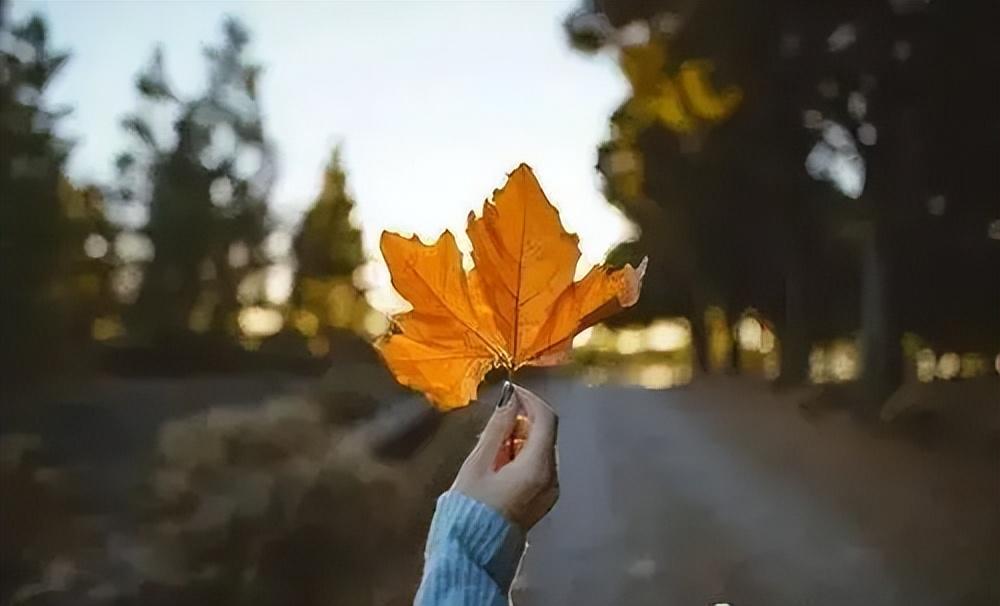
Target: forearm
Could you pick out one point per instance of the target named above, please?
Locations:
(472, 555)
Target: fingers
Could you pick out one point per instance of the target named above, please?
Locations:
(514, 441)
(498, 428)
(540, 443)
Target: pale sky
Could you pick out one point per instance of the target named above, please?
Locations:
(434, 102)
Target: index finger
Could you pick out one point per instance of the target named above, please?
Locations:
(544, 424)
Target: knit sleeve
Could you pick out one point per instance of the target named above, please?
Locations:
(472, 555)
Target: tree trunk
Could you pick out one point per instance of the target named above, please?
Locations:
(881, 346)
(699, 342)
(735, 354)
(795, 334)
(894, 173)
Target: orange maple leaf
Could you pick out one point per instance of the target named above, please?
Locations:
(518, 306)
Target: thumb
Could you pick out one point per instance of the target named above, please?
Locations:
(497, 429)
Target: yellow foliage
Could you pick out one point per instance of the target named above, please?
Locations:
(683, 101)
(704, 101)
(340, 303)
(669, 108)
(107, 327)
(306, 322)
(643, 66)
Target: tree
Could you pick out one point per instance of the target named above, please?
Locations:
(660, 167)
(86, 261)
(204, 190)
(328, 243)
(811, 202)
(328, 250)
(32, 219)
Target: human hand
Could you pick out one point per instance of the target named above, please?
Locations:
(513, 466)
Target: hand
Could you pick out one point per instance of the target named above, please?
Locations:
(520, 483)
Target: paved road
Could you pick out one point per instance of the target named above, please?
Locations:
(724, 494)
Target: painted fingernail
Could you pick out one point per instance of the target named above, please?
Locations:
(505, 393)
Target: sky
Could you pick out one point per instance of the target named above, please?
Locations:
(433, 102)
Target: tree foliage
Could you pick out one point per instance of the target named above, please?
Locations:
(849, 184)
(202, 186)
(328, 250)
(328, 243)
(52, 285)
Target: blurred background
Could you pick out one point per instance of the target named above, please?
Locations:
(803, 408)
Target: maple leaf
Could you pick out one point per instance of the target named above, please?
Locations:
(518, 306)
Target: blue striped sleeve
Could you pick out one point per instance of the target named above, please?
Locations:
(472, 555)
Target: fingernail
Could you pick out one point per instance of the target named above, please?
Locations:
(505, 393)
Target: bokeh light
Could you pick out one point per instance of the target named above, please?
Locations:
(256, 322)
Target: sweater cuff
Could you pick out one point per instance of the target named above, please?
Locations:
(487, 537)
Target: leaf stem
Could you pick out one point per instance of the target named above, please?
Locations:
(511, 451)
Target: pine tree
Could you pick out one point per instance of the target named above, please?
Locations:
(328, 249)
(204, 191)
(32, 222)
(328, 243)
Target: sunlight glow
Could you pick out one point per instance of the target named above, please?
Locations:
(657, 376)
(258, 321)
(844, 362)
(667, 335)
(836, 362)
(95, 246)
(375, 323)
(582, 339)
(926, 363)
(749, 333)
(629, 341)
(948, 365)
(133, 247)
(278, 283)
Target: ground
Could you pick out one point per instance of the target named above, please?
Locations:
(718, 492)
(724, 493)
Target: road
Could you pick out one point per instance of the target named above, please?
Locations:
(722, 493)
